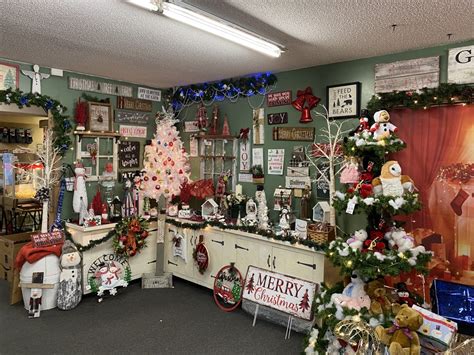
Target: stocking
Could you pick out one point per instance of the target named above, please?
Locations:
(457, 202)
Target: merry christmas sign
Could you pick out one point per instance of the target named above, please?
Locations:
(284, 293)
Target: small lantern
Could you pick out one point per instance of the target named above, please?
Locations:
(116, 210)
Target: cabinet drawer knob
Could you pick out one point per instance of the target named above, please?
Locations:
(274, 259)
(313, 266)
(170, 262)
(221, 242)
(237, 246)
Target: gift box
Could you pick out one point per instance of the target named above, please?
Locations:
(454, 301)
(437, 333)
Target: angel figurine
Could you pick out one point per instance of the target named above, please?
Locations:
(36, 78)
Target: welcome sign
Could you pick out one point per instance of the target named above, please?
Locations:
(284, 293)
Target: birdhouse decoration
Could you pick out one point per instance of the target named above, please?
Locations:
(321, 212)
(209, 209)
(281, 198)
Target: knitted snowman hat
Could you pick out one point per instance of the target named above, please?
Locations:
(68, 247)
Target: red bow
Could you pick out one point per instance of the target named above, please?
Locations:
(244, 134)
(405, 330)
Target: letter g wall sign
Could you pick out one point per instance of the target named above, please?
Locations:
(284, 293)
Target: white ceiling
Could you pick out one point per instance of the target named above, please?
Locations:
(114, 39)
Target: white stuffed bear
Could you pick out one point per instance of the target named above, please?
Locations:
(398, 238)
(382, 127)
(357, 240)
(353, 296)
(79, 188)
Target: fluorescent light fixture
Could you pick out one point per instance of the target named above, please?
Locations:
(201, 20)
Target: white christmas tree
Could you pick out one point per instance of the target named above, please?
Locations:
(262, 210)
(165, 164)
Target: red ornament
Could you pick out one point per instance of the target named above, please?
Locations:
(172, 163)
(146, 178)
(305, 97)
(157, 187)
(154, 178)
(169, 159)
(180, 171)
(170, 144)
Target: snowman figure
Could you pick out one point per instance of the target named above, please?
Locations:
(70, 279)
(108, 277)
(80, 191)
(285, 219)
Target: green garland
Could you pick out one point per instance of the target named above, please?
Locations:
(62, 125)
(248, 229)
(424, 98)
(368, 266)
(380, 204)
(92, 243)
(353, 147)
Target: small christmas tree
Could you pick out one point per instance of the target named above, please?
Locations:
(250, 287)
(236, 291)
(304, 304)
(9, 80)
(165, 163)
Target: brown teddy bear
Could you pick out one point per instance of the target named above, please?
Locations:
(379, 302)
(402, 338)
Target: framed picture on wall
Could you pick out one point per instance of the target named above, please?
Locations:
(9, 76)
(100, 117)
(343, 100)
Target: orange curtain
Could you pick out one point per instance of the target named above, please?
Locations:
(435, 138)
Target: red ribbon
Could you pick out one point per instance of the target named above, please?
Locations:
(244, 133)
(405, 330)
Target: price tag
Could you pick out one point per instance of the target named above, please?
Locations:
(350, 207)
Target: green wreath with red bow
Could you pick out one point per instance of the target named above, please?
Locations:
(129, 236)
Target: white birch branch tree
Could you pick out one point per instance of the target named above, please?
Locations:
(326, 156)
(49, 157)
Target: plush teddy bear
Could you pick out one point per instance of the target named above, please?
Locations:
(399, 239)
(382, 127)
(402, 338)
(391, 182)
(379, 302)
(353, 296)
(357, 240)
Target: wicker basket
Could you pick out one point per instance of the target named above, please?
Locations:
(321, 232)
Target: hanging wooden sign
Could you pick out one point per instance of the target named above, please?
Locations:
(201, 256)
(293, 134)
(129, 155)
(228, 286)
(277, 118)
(130, 103)
(279, 98)
(410, 74)
(99, 86)
(133, 131)
(149, 94)
(295, 296)
(132, 117)
(461, 65)
(47, 239)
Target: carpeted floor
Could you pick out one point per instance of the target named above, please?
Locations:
(183, 320)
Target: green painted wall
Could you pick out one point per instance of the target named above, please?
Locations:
(240, 113)
(57, 87)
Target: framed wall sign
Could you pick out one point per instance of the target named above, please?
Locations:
(9, 76)
(277, 118)
(279, 98)
(191, 126)
(100, 117)
(103, 87)
(129, 155)
(343, 101)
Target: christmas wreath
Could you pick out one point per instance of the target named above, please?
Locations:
(129, 236)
